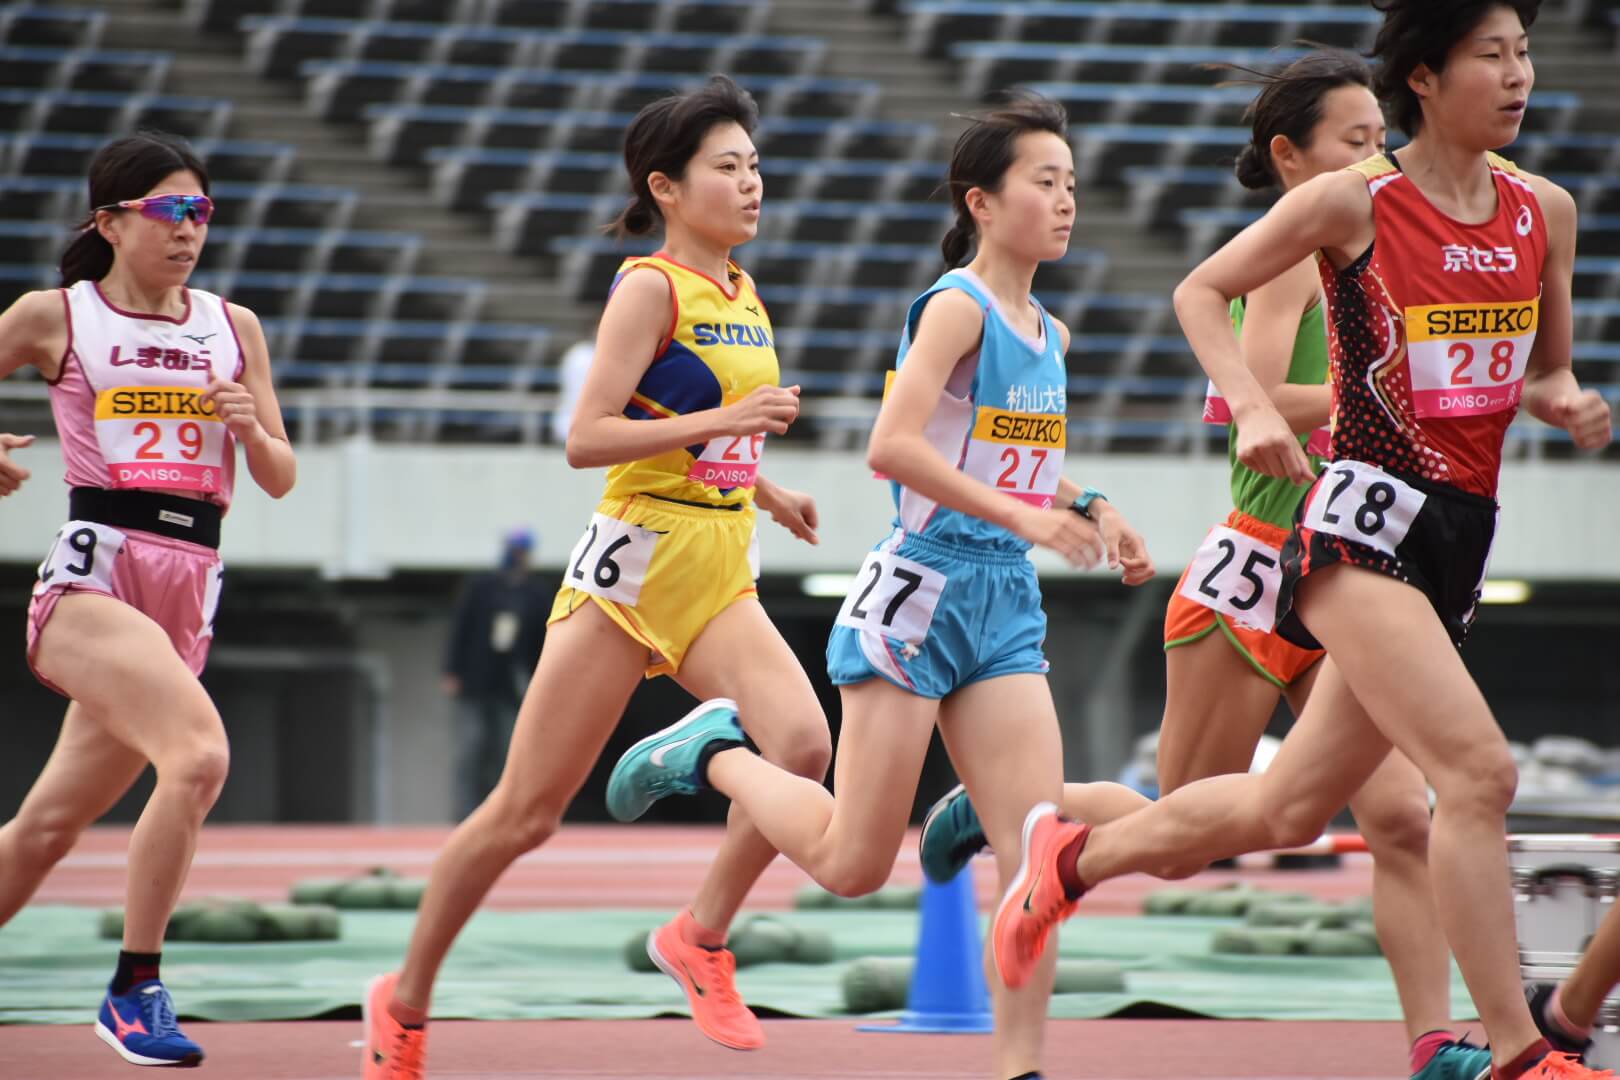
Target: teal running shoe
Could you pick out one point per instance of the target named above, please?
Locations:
(1460, 1060)
(669, 762)
(951, 836)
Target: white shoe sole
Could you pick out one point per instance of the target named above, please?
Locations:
(1017, 886)
(669, 969)
(133, 1058)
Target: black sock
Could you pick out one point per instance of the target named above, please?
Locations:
(707, 754)
(1069, 866)
(134, 967)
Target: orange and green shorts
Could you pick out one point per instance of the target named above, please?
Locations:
(662, 570)
(1186, 620)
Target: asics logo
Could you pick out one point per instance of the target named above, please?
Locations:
(662, 752)
(1526, 221)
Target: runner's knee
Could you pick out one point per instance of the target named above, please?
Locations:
(855, 873)
(1397, 827)
(198, 771)
(1481, 781)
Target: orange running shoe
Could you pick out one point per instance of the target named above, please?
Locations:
(393, 1051)
(709, 978)
(1558, 1066)
(1035, 902)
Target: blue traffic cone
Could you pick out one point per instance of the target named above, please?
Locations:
(947, 981)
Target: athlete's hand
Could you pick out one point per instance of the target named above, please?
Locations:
(1266, 444)
(793, 510)
(1586, 416)
(11, 474)
(1126, 549)
(233, 404)
(1063, 531)
(767, 409)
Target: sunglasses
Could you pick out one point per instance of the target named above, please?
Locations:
(169, 209)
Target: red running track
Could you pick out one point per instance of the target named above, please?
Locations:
(660, 867)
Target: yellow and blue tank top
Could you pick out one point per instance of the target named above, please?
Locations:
(1010, 431)
(719, 349)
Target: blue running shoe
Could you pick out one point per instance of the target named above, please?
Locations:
(1459, 1060)
(667, 762)
(140, 1025)
(951, 836)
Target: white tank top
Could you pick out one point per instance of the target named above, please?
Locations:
(128, 400)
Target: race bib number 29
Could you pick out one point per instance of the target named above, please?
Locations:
(611, 559)
(894, 597)
(82, 554)
(1363, 503)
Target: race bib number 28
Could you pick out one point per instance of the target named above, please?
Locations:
(1469, 359)
(611, 559)
(1363, 503)
(894, 597)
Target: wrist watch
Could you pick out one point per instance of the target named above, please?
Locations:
(1082, 505)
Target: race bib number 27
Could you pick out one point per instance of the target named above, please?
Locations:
(894, 597)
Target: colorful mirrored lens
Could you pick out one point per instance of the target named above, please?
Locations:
(173, 209)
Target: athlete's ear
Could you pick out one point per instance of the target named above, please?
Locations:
(1284, 154)
(1423, 81)
(978, 204)
(662, 188)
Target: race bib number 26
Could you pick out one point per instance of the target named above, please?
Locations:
(611, 559)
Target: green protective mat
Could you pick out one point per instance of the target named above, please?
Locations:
(569, 965)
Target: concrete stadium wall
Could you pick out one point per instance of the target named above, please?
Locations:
(364, 510)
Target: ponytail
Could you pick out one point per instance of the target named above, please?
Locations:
(957, 247)
(89, 257)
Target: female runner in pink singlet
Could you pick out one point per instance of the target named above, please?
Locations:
(153, 386)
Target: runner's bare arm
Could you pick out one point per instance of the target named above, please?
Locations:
(1270, 326)
(1332, 213)
(256, 419)
(34, 332)
(1551, 392)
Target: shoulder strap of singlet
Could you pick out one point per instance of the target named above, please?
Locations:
(949, 280)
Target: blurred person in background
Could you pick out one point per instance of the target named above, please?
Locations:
(495, 639)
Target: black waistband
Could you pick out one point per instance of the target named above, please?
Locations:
(174, 516)
(698, 505)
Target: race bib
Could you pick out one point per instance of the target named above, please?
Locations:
(731, 461)
(611, 559)
(161, 436)
(83, 553)
(1020, 454)
(894, 597)
(1469, 359)
(1217, 411)
(216, 581)
(1236, 575)
(1363, 503)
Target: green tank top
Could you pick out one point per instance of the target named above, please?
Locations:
(1273, 499)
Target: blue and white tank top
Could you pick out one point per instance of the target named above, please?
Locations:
(1009, 431)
